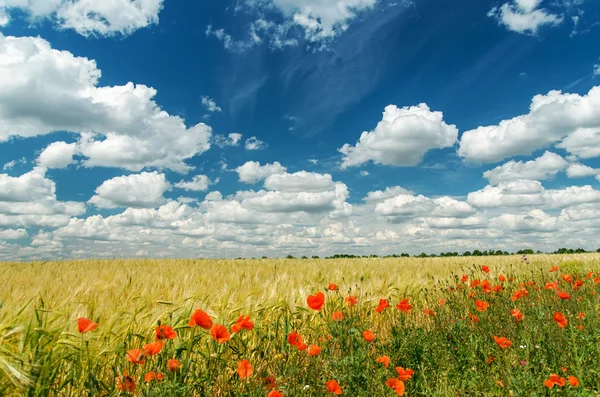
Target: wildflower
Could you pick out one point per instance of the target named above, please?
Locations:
(550, 286)
(502, 342)
(333, 387)
(564, 369)
(220, 333)
(471, 295)
(269, 382)
(150, 376)
(351, 300)
(501, 278)
(201, 319)
(244, 369)
(518, 294)
(136, 356)
(397, 385)
(314, 350)
(243, 322)
(554, 379)
(474, 318)
(464, 278)
(337, 316)
(499, 382)
(332, 287)
(481, 305)
(589, 275)
(152, 349)
(560, 319)
(442, 302)
(523, 362)
(568, 278)
(474, 283)
(596, 280)
(428, 312)
(316, 301)
(295, 339)
(404, 306)
(165, 332)
(86, 325)
(383, 304)
(486, 286)
(173, 365)
(125, 383)
(490, 360)
(563, 295)
(385, 360)
(498, 288)
(580, 315)
(573, 381)
(274, 393)
(580, 327)
(554, 269)
(369, 336)
(577, 284)
(485, 269)
(516, 313)
(404, 374)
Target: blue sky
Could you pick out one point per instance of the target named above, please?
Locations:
(155, 128)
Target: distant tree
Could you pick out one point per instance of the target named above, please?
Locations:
(433, 256)
(527, 251)
(467, 253)
(315, 257)
(580, 251)
(304, 257)
(499, 253)
(505, 253)
(477, 253)
(538, 252)
(408, 256)
(422, 255)
(290, 257)
(264, 257)
(598, 250)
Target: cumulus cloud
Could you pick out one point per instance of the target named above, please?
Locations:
(252, 171)
(577, 170)
(13, 234)
(299, 182)
(253, 143)
(524, 16)
(544, 167)
(13, 163)
(405, 206)
(57, 155)
(382, 195)
(401, 138)
(232, 139)
(88, 18)
(210, 104)
(571, 119)
(532, 222)
(199, 183)
(143, 190)
(43, 90)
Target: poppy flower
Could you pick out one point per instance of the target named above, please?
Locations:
(152, 349)
(568, 278)
(316, 301)
(337, 316)
(86, 325)
(481, 305)
(220, 333)
(442, 302)
(397, 385)
(474, 283)
(560, 319)
(580, 315)
(502, 342)
(243, 322)
(490, 360)
(499, 382)
(596, 280)
(294, 339)
(501, 278)
(244, 369)
(554, 269)
(589, 275)
(428, 312)
(564, 369)
(201, 319)
(516, 313)
(486, 286)
(474, 318)
(518, 294)
(269, 382)
(471, 295)
(274, 393)
(464, 278)
(554, 379)
(136, 356)
(563, 295)
(498, 288)
(485, 269)
(404, 374)
(383, 304)
(332, 287)
(173, 365)
(550, 286)
(577, 284)
(351, 300)
(125, 383)
(573, 381)
(385, 360)
(165, 332)
(404, 306)
(333, 387)
(369, 336)
(580, 327)
(314, 350)
(150, 376)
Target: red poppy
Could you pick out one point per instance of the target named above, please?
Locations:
(201, 319)
(501, 278)
(397, 385)
(564, 369)
(580, 315)
(498, 288)
(351, 300)
(220, 333)
(125, 383)
(560, 319)
(502, 342)
(383, 304)
(580, 327)
(295, 339)
(428, 312)
(269, 382)
(404, 374)
(518, 294)
(274, 393)
(332, 287)
(568, 278)
(136, 356)
(481, 305)
(404, 306)
(516, 313)
(316, 301)
(165, 332)
(244, 369)
(442, 302)
(464, 278)
(474, 318)
(385, 360)
(314, 350)
(152, 349)
(243, 322)
(474, 283)
(563, 295)
(573, 381)
(554, 269)
(554, 379)
(486, 286)
(485, 269)
(589, 275)
(150, 376)
(550, 286)
(369, 336)
(333, 387)
(337, 316)
(86, 325)
(577, 284)
(173, 365)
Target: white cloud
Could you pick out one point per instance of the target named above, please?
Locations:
(577, 170)
(43, 90)
(524, 16)
(11, 164)
(299, 182)
(199, 183)
(13, 234)
(544, 167)
(508, 194)
(382, 195)
(252, 171)
(210, 104)
(533, 221)
(143, 190)
(364, 173)
(551, 118)
(57, 155)
(313, 161)
(404, 207)
(597, 70)
(232, 139)
(401, 138)
(253, 143)
(89, 17)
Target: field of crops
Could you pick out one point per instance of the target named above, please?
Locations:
(494, 326)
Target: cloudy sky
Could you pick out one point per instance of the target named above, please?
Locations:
(159, 128)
